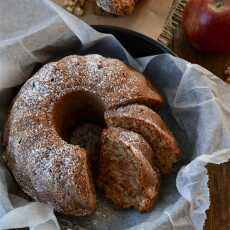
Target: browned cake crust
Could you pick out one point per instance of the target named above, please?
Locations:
(125, 174)
(48, 105)
(149, 124)
(117, 7)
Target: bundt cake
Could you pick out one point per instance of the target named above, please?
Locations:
(149, 124)
(45, 112)
(125, 173)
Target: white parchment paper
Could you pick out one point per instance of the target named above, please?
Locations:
(197, 111)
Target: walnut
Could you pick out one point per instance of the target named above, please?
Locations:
(75, 6)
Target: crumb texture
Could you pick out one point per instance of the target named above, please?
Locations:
(126, 175)
(143, 120)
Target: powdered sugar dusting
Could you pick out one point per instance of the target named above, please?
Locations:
(45, 166)
(117, 7)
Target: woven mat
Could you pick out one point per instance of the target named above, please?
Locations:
(172, 22)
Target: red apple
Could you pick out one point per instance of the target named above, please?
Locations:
(207, 24)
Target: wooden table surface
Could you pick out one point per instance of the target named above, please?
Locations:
(219, 175)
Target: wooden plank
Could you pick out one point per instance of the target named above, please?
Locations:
(216, 63)
(219, 211)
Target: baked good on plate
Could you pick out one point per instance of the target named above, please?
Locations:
(45, 112)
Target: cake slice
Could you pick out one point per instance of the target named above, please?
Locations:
(143, 120)
(125, 173)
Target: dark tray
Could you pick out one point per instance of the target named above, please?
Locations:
(137, 44)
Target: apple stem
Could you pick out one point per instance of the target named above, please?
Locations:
(219, 3)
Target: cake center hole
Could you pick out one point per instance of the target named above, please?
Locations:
(77, 113)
